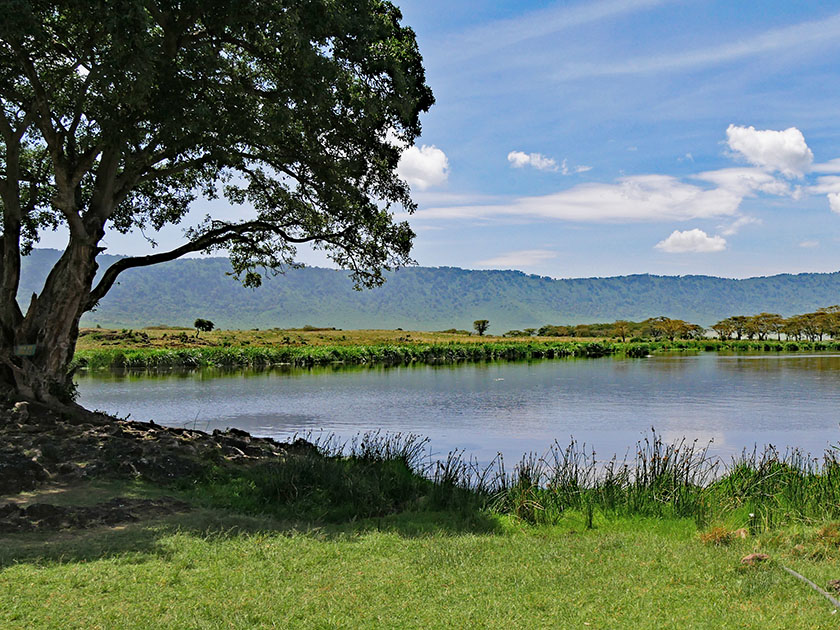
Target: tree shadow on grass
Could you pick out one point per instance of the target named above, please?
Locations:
(137, 542)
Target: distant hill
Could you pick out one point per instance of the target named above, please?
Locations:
(427, 298)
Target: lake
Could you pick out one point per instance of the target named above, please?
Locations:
(737, 401)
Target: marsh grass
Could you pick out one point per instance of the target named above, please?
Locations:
(312, 355)
(759, 490)
(385, 351)
(377, 474)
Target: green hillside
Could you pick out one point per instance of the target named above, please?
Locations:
(429, 298)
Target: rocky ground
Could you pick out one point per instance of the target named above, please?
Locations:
(44, 516)
(40, 446)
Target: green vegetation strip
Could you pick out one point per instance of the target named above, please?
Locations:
(370, 534)
(396, 354)
(211, 570)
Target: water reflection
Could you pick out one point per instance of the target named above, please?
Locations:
(736, 400)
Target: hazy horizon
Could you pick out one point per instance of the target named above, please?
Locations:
(528, 273)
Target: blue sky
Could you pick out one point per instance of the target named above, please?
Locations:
(632, 100)
(607, 137)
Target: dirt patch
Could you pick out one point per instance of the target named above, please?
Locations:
(44, 516)
(39, 445)
(754, 559)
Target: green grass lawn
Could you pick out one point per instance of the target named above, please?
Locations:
(213, 568)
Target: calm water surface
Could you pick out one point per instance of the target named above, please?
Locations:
(737, 401)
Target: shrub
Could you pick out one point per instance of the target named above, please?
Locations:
(203, 325)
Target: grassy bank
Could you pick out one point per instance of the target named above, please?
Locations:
(213, 569)
(141, 350)
(368, 534)
(375, 475)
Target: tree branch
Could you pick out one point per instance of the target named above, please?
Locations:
(43, 104)
(209, 239)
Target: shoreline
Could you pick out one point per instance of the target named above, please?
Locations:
(406, 353)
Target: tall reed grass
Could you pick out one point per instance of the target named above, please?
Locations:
(377, 473)
(308, 356)
(404, 354)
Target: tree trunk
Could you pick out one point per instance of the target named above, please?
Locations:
(36, 360)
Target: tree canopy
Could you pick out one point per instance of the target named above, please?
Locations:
(203, 325)
(120, 115)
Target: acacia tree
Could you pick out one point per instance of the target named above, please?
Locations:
(119, 114)
(203, 325)
(622, 328)
(724, 329)
(481, 326)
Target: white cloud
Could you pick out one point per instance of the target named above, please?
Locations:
(423, 167)
(663, 197)
(523, 258)
(637, 198)
(736, 225)
(519, 159)
(573, 170)
(826, 185)
(809, 244)
(691, 242)
(783, 151)
(795, 36)
(832, 166)
(745, 182)
(479, 41)
(439, 197)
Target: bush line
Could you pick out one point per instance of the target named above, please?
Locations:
(402, 354)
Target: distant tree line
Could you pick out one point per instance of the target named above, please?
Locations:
(653, 328)
(817, 326)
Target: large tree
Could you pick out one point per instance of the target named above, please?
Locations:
(123, 114)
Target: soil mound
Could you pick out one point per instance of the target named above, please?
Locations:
(39, 445)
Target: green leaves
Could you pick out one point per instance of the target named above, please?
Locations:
(290, 102)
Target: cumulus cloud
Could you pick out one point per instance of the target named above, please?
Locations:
(522, 258)
(783, 151)
(776, 158)
(423, 167)
(809, 244)
(694, 241)
(520, 159)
